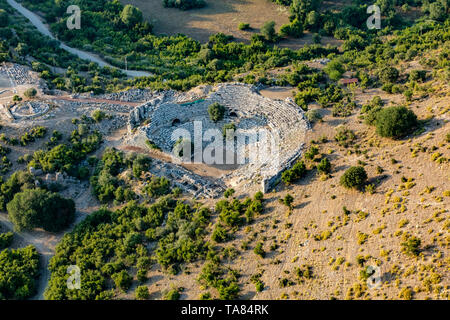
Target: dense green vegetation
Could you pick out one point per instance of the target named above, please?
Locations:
(37, 208)
(184, 4)
(6, 240)
(177, 61)
(115, 245)
(115, 242)
(18, 181)
(19, 270)
(68, 156)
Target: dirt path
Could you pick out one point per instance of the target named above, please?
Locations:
(45, 245)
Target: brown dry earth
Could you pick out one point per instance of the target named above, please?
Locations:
(318, 207)
(218, 16)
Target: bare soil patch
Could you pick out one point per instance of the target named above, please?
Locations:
(218, 16)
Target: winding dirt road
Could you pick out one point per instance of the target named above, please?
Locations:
(43, 28)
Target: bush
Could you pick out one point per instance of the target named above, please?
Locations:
(287, 201)
(313, 115)
(395, 122)
(30, 93)
(122, 280)
(268, 31)
(158, 187)
(388, 75)
(35, 208)
(334, 69)
(354, 177)
(173, 294)
(344, 136)
(216, 112)
(259, 286)
(412, 246)
(297, 171)
(130, 15)
(342, 109)
(228, 130)
(229, 193)
(293, 29)
(141, 164)
(5, 240)
(259, 250)
(184, 4)
(142, 293)
(324, 166)
(19, 270)
(98, 115)
(219, 234)
(418, 75)
(244, 26)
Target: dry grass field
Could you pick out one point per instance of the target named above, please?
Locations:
(217, 16)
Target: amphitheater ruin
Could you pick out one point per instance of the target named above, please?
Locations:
(167, 114)
(269, 133)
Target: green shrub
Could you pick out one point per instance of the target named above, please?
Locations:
(395, 122)
(244, 26)
(370, 117)
(268, 31)
(342, 109)
(184, 4)
(229, 193)
(6, 240)
(312, 152)
(344, 136)
(98, 115)
(35, 208)
(258, 250)
(30, 93)
(313, 115)
(130, 15)
(219, 234)
(122, 280)
(142, 293)
(354, 177)
(173, 294)
(259, 286)
(412, 246)
(297, 171)
(228, 130)
(324, 166)
(293, 29)
(158, 187)
(19, 271)
(216, 112)
(141, 164)
(388, 74)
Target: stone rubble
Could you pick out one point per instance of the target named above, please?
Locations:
(250, 111)
(191, 183)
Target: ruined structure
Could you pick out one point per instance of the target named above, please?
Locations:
(168, 112)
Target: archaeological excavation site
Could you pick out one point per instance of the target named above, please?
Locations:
(268, 134)
(224, 150)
